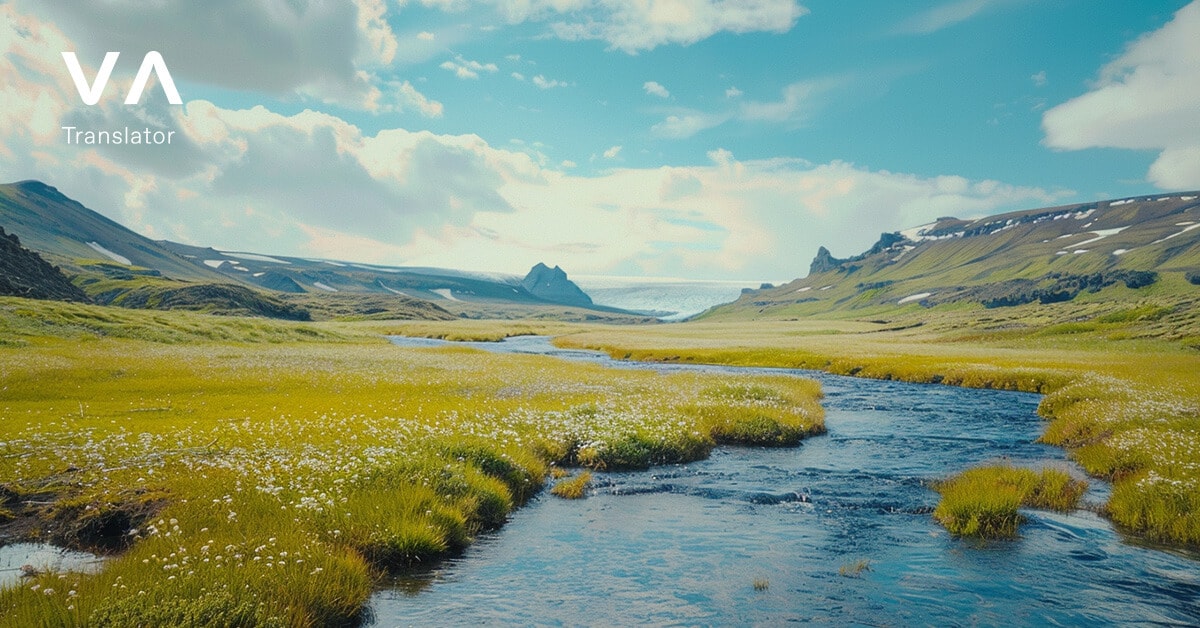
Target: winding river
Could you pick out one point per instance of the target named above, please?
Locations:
(837, 531)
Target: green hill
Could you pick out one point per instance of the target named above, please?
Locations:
(1107, 255)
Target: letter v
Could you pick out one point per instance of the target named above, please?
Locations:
(90, 95)
(153, 62)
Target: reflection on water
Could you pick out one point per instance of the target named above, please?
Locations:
(685, 544)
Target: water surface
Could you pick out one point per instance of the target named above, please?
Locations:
(684, 545)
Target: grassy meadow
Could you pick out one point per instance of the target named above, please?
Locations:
(252, 472)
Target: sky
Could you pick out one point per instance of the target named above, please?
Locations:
(704, 139)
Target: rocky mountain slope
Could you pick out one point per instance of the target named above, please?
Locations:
(1122, 250)
(108, 260)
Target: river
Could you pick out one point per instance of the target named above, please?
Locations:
(686, 544)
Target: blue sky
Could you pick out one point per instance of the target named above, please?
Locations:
(689, 138)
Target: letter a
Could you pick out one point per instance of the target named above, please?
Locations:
(91, 94)
(153, 62)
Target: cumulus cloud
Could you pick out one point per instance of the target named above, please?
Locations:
(1145, 99)
(544, 83)
(612, 153)
(654, 88)
(733, 92)
(1039, 79)
(303, 46)
(467, 69)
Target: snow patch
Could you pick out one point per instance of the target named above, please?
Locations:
(326, 288)
(805, 289)
(1187, 198)
(259, 274)
(1120, 202)
(445, 294)
(120, 259)
(827, 287)
(242, 268)
(1103, 233)
(255, 258)
(914, 297)
(214, 263)
(1078, 251)
(1177, 234)
(1120, 251)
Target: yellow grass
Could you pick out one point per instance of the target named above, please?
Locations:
(275, 482)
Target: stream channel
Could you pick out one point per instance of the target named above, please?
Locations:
(685, 544)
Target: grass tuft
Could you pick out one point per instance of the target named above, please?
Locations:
(984, 501)
(573, 488)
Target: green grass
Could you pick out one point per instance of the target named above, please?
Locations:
(573, 488)
(984, 501)
(247, 472)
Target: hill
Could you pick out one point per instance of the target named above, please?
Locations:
(1143, 250)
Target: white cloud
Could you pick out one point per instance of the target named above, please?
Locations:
(944, 16)
(643, 25)
(303, 46)
(468, 69)
(612, 153)
(412, 99)
(798, 102)
(545, 83)
(733, 92)
(653, 88)
(426, 36)
(687, 124)
(1145, 99)
(1039, 79)
(518, 76)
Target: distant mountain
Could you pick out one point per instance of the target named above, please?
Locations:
(110, 260)
(1133, 247)
(551, 284)
(24, 273)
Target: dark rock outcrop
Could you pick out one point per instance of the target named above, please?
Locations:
(824, 262)
(24, 273)
(551, 284)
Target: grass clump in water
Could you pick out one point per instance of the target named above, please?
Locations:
(854, 569)
(984, 501)
(573, 488)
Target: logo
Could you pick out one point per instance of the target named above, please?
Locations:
(153, 62)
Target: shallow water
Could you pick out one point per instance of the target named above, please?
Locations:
(43, 557)
(685, 544)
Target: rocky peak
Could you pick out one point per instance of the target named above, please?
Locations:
(823, 262)
(552, 284)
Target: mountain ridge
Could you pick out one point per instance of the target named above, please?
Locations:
(1145, 246)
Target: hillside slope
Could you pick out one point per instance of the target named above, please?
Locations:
(1124, 251)
(68, 233)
